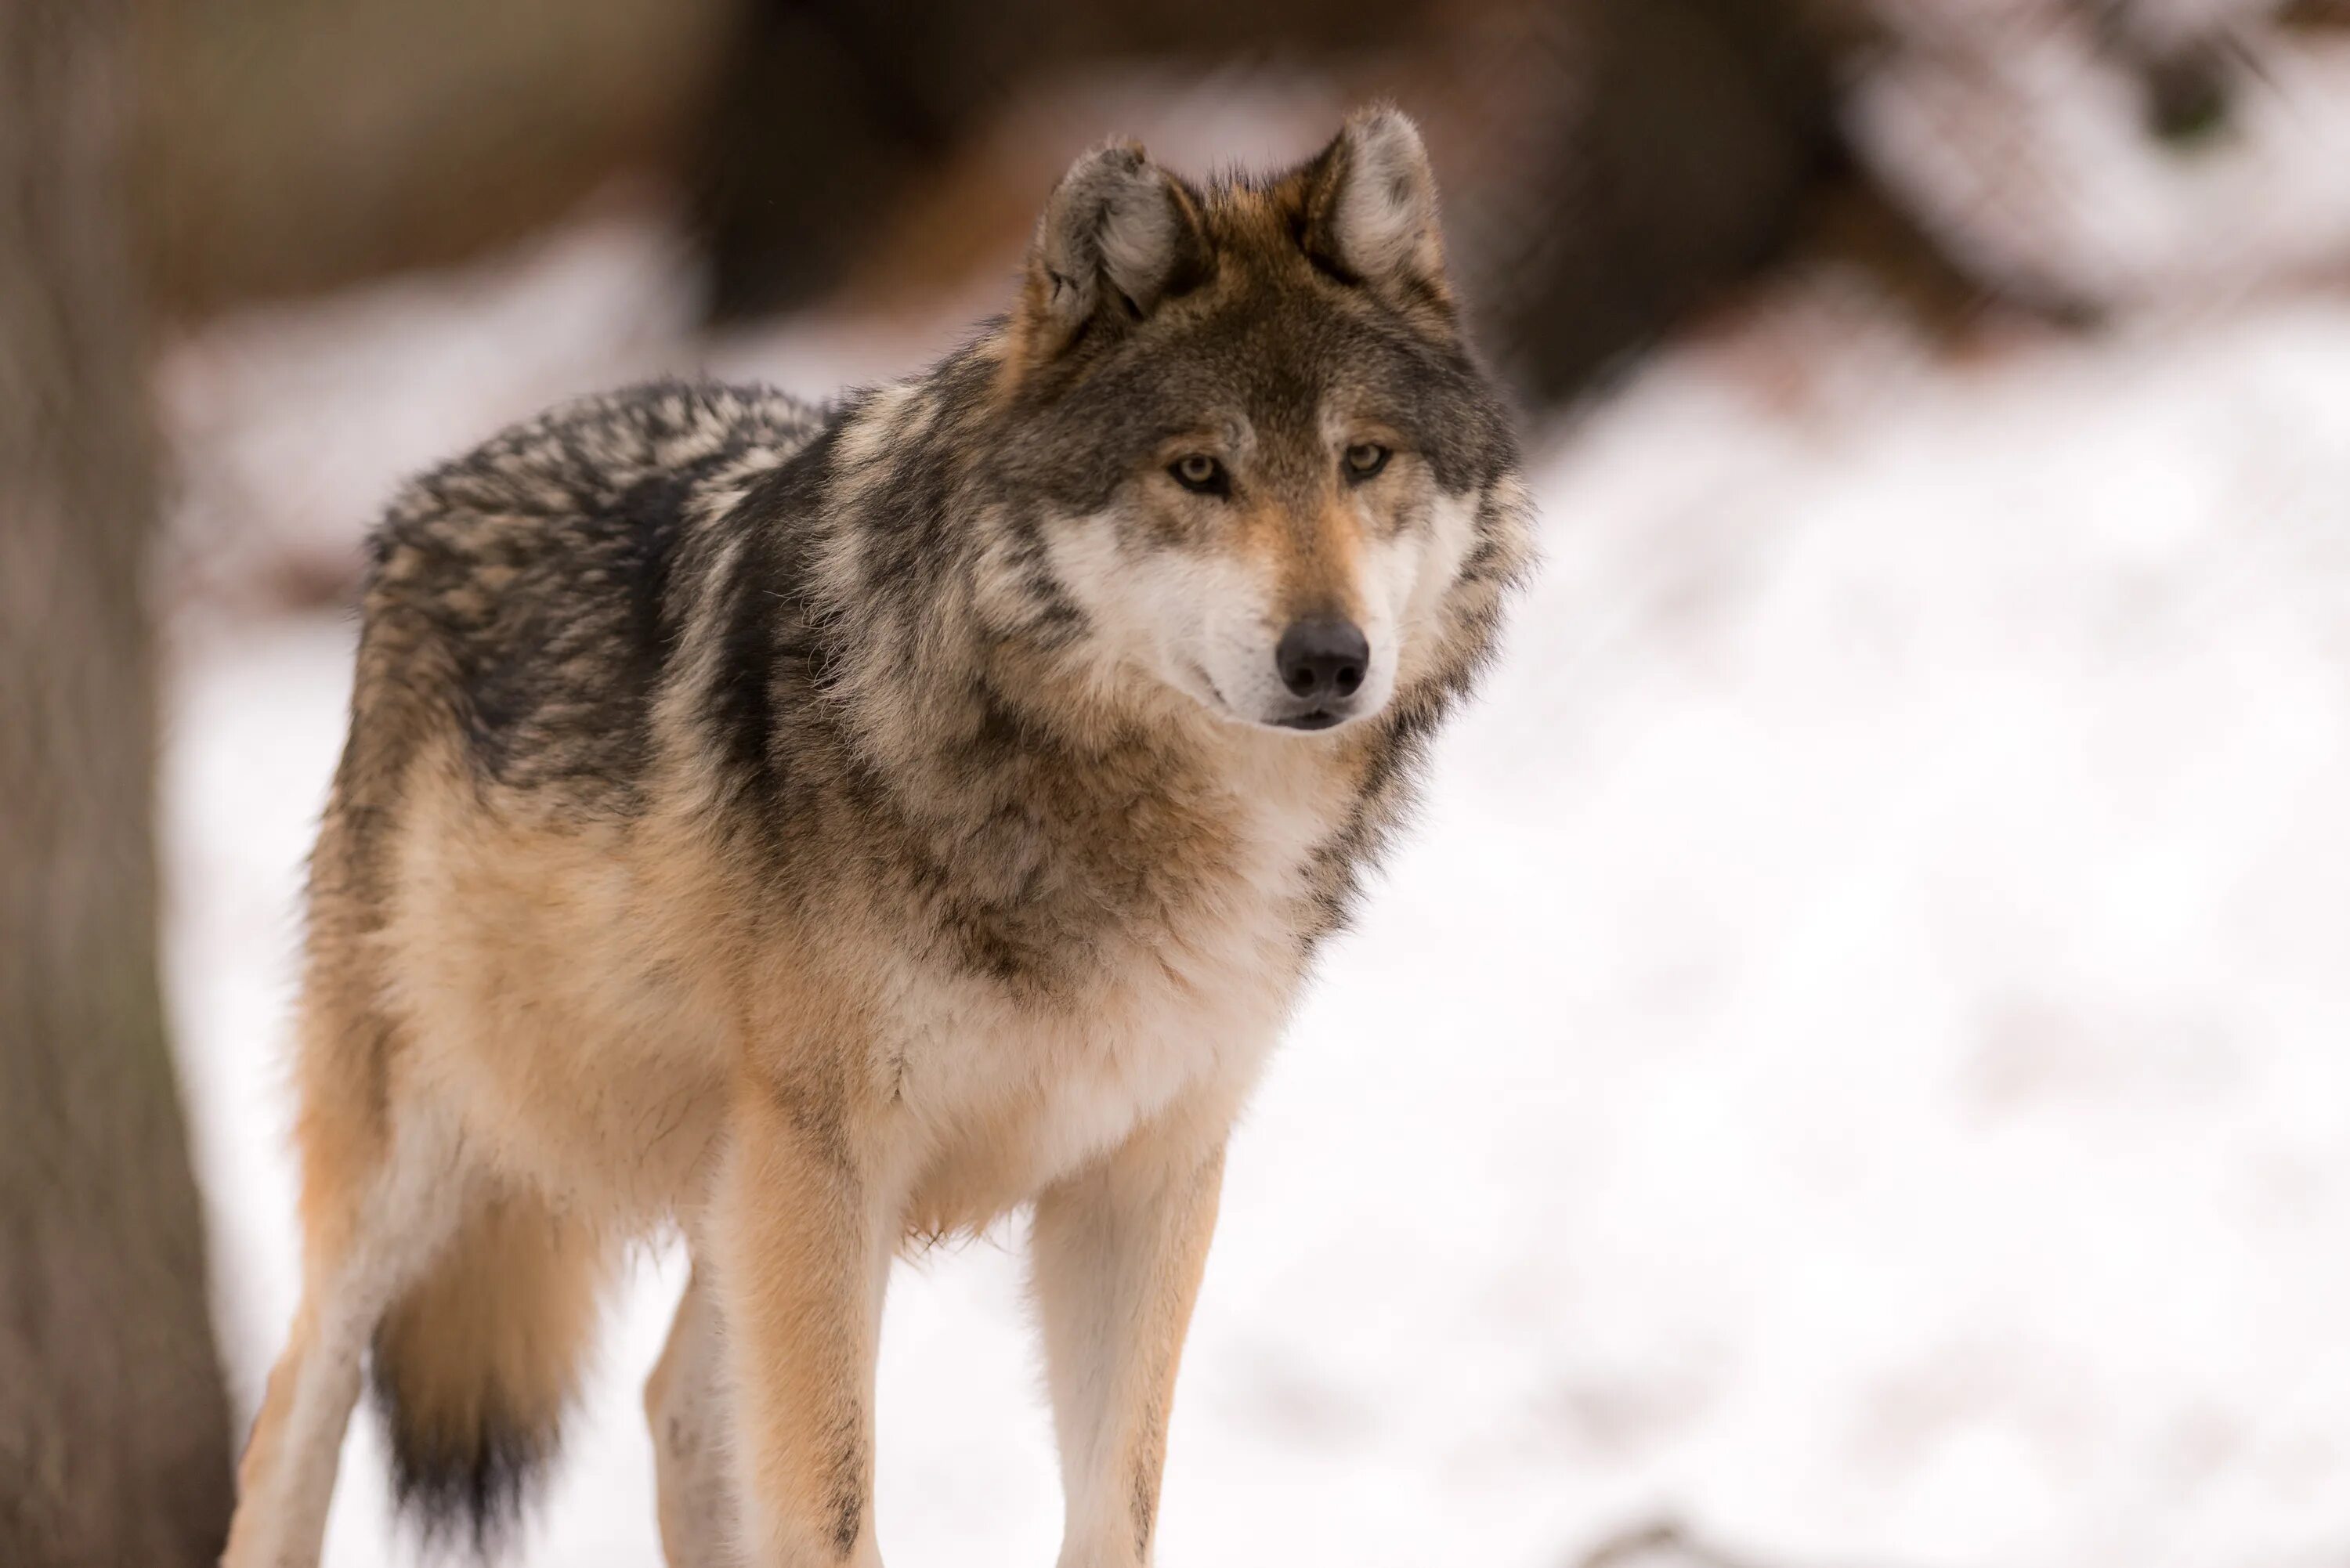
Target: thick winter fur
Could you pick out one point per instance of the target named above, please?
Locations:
(826, 827)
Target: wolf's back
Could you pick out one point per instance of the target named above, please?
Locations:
(527, 595)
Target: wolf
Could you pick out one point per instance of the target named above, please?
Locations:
(822, 829)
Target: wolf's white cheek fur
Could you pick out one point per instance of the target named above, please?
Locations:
(1232, 636)
(1419, 574)
(1197, 623)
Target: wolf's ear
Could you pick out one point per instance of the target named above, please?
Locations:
(1370, 209)
(1119, 235)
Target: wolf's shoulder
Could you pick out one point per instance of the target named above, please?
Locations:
(539, 582)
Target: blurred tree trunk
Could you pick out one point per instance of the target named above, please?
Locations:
(114, 1442)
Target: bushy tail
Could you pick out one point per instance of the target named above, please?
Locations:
(474, 1365)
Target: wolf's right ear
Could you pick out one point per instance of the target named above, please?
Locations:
(1370, 209)
(1119, 235)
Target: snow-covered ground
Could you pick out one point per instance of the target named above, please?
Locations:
(1857, 1056)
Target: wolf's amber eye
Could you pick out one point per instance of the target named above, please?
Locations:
(1200, 473)
(1365, 459)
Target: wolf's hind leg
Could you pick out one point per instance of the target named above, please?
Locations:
(370, 1227)
(685, 1405)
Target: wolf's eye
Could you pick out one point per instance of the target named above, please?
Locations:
(1200, 473)
(1365, 459)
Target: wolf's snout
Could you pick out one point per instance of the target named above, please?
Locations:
(1320, 660)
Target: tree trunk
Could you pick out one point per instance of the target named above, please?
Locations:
(114, 1443)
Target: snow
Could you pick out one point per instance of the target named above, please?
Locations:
(1854, 1057)
(2014, 131)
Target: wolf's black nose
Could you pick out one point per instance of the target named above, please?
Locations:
(1319, 659)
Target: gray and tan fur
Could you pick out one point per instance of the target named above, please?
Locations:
(826, 827)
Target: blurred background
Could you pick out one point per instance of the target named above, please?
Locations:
(1854, 1071)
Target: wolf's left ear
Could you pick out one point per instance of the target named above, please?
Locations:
(1370, 209)
(1119, 234)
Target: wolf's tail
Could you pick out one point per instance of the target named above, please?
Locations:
(474, 1365)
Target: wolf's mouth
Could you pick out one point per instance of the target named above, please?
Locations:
(1319, 719)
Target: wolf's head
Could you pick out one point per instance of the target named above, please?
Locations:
(1266, 453)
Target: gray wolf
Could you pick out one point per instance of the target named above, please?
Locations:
(822, 829)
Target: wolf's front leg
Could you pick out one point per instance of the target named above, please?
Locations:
(1119, 1253)
(803, 1230)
